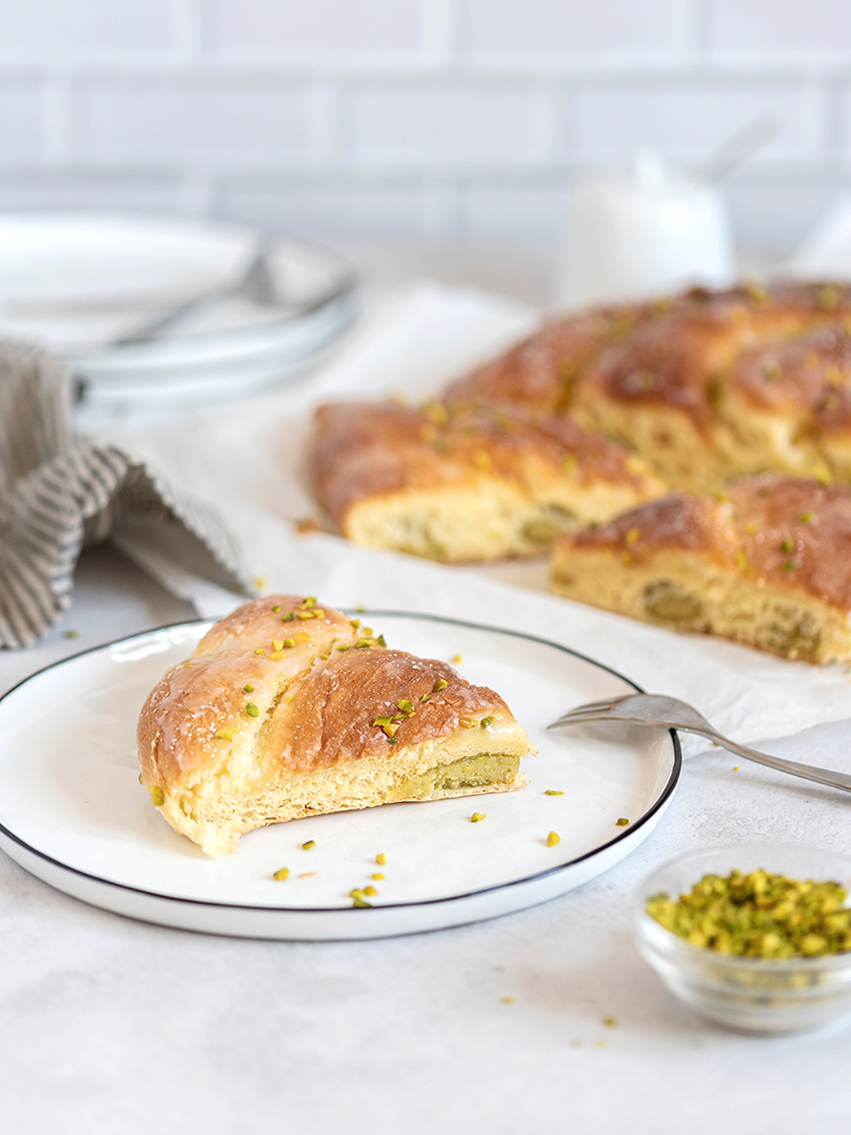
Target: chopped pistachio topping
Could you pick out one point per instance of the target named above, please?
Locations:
(405, 706)
(424, 699)
(553, 838)
(281, 874)
(276, 655)
(307, 846)
(759, 915)
(288, 642)
(456, 658)
(370, 891)
(381, 859)
(357, 893)
(367, 632)
(377, 875)
(355, 623)
(789, 565)
(140, 779)
(751, 528)
(225, 734)
(251, 709)
(302, 636)
(553, 792)
(360, 902)
(260, 650)
(249, 689)
(610, 1022)
(288, 618)
(486, 721)
(477, 817)
(276, 608)
(622, 822)
(439, 685)
(277, 644)
(308, 602)
(787, 546)
(467, 722)
(808, 518)
(156, 795)
(345, 646)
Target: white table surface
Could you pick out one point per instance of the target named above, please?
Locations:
(108, 1025)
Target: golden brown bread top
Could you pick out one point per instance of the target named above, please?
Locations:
(246, 702)
(684, 353)
(540, 370)
(363, 449)
(781, 530)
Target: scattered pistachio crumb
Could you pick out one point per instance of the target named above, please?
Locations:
(288, 618)
(457, 658)
(281, 874)
(381, 859)
(735, 768)
(789, 565)
(610, 1022)
(467, 722)
(277, 644)
(140, 779)
(156, 795)
(477, 816)
(251, 709)
(249, 689)
(507, 1000)
(276, 608)
(377, 875)
(307, 846)
(259, 650)
(70, 634)
(553, 792)
(787, 545)
(225, 734)
(622, 822)
(357, 893)
(186, 664)
(486, 721)
(808, 517)
(439, 685)
(260, 582)
(360, 902)
(370, 891)
(553, 838)
(288, 643)
(424, 699)
(355, 623)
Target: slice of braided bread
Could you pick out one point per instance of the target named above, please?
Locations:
(288, 709)
(768, 565)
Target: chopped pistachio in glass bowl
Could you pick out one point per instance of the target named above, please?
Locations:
(747, 993)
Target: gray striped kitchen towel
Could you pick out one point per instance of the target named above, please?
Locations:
(58, 492)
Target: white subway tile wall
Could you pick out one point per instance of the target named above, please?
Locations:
(447, 119)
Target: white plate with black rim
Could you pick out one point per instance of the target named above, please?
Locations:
(73, 813)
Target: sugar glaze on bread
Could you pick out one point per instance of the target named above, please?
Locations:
(288, 709)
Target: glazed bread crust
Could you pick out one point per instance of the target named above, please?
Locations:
(287, 709)
(769, 565)
(463, 483)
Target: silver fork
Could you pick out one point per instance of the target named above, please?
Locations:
(656, 709)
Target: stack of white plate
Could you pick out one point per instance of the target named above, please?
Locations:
(158, 313)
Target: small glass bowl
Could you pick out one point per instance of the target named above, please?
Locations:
(754, 995)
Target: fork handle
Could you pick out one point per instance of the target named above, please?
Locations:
(808, 772)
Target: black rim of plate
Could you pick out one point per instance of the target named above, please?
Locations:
(447, 900)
